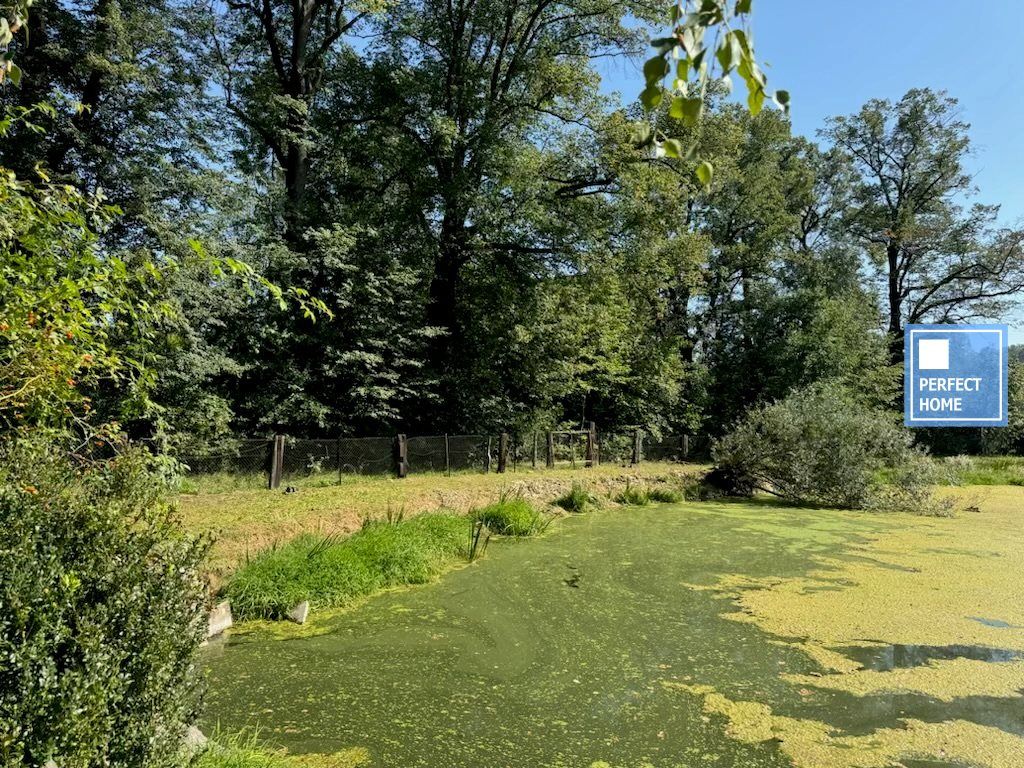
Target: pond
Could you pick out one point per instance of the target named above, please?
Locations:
(604, 641)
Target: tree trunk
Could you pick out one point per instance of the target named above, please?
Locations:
(895, 305)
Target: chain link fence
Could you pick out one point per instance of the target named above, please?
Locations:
(250, 463)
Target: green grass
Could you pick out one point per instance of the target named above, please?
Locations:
(512, 515)
(575, 500)
(641, 496)
(244, 750)
(984, 470)
(664, 495)
(633, 496)
(331, 572)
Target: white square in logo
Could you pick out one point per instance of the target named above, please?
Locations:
(933, 354)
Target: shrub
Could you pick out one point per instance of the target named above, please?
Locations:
(632, 495)
(821, 446)
(511, 515)
(575, 500)
(102, 611)
(331, 572)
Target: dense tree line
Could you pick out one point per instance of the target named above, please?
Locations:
(492, 246)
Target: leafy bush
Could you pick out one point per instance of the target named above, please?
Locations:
(575, 500)
(331, 572)
(102, 611)
(511, 515)
(821, 446)
(632, 495)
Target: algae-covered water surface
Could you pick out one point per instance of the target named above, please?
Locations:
(683, 635)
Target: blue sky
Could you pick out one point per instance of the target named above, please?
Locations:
(832, 56)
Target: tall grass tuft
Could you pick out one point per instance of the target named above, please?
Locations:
(512, 515)
(633, 496)
(246, 750)
(576, 500)
(664, 495)
(331, 572)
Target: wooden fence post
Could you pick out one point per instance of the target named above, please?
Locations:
(637, 447)
(447, 456)
(401, 456)
(487, 458)
(551, 450)
(502, 451)
(534, 460)
(276, 462)
(591, 459)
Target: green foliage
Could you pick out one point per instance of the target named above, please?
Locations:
(576, 500)
(821, 446)
(512, 515)
(331, 572)
(684, 55)
(102, 609)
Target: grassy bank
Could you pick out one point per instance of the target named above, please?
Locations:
(245, 522)
(984, 470)
(246, 751)
(332, 571)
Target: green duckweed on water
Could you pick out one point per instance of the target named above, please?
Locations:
(682, 636)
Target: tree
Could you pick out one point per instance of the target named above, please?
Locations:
(272, 59)
(127, 116)
(938, 262)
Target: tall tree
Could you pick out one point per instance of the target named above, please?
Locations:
(938, 260)
(272, 59)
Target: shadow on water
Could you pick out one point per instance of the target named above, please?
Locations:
(500, 664)
(883, 658)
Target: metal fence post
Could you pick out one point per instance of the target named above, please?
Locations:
(401, 456)
(551, 450)
(276, 462)
(502, 451)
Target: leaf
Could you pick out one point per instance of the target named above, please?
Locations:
(683, 69)
(651, 97)
(640, 134)
(15, 72)
(673, 148)
(687, 110)
(755, 100)
(743, 6)
(730, 53)
(782, 99)
(655, 69)
(705, 171)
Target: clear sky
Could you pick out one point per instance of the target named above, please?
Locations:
(833, 55)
